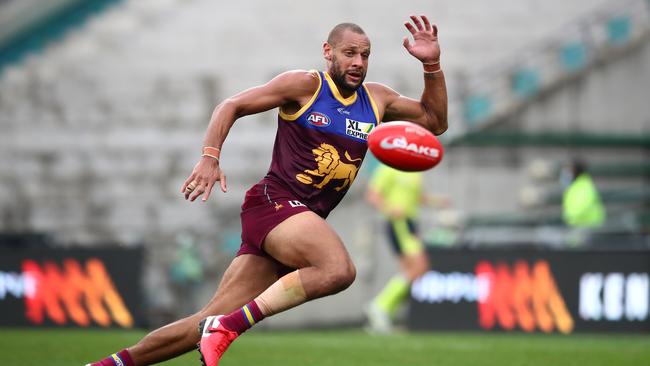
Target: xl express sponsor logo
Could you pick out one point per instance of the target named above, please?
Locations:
(358, 129)
(74, 292)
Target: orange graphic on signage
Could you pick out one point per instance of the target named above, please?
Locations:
(521, 296)
(72, 293)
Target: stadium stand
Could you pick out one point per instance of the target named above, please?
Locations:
(561, 99)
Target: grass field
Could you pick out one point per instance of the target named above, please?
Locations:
(336, 348)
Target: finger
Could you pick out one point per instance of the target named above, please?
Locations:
(187, 182)
(222, 179)
(192, 185)
(188, 191)
(197, 193)
(417, 22)
(427, 23)
(406, 43)
(435, 30)
(200, 188)
(410, 27)
(208, 190)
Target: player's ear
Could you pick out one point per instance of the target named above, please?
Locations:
(327, 51)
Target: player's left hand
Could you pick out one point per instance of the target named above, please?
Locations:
(204, 176)
(425, 35)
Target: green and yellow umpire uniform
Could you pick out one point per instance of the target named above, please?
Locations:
(400, 192)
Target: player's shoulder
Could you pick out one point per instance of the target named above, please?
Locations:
(379, 90)
(300, 77)
(295, 87)
(297, 82)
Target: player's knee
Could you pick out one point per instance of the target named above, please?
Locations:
(422, 265)
(421, 269)
(415, 266)
(341, 277)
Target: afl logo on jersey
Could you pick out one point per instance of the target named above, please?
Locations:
(318, 119)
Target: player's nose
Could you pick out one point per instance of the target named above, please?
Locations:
(357, 60)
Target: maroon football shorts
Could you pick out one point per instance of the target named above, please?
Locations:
(265, 206)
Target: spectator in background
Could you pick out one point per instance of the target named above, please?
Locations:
(581, 203)
(398, 196)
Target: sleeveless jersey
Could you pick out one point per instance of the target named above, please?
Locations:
(319, 149)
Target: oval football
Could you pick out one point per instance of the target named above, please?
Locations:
(405, 146)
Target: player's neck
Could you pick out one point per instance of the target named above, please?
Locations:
(343, 90)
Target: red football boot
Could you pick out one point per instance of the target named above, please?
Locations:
(215, 339)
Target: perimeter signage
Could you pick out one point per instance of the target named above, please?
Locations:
(70, 288)
(533, 291)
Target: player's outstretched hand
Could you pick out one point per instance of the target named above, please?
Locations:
(205, 174)
(425, 36)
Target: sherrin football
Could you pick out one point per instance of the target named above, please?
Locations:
(405, 146)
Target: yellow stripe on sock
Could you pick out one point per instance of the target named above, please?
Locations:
(117, 359)
(249, 316)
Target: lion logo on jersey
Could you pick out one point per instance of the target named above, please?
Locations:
(331, 167)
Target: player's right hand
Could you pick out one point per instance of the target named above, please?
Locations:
(204, 175)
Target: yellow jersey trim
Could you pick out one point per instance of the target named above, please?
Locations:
(372, 103)
(345, 101)
(293, 117)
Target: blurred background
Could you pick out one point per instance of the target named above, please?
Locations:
(104, 103)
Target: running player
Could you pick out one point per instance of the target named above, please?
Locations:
(289, 254)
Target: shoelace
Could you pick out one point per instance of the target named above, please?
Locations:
(198, 348)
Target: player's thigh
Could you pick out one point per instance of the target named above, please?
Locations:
(306, 240)
(247, 276)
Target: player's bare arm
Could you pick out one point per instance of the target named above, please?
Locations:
(289, 91)
(431, 110)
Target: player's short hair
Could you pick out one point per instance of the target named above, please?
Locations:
(335, 34)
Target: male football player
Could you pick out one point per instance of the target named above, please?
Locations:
(289, 254)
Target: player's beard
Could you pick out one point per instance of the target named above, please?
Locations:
(338, 75)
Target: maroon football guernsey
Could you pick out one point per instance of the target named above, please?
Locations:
(318, 150)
